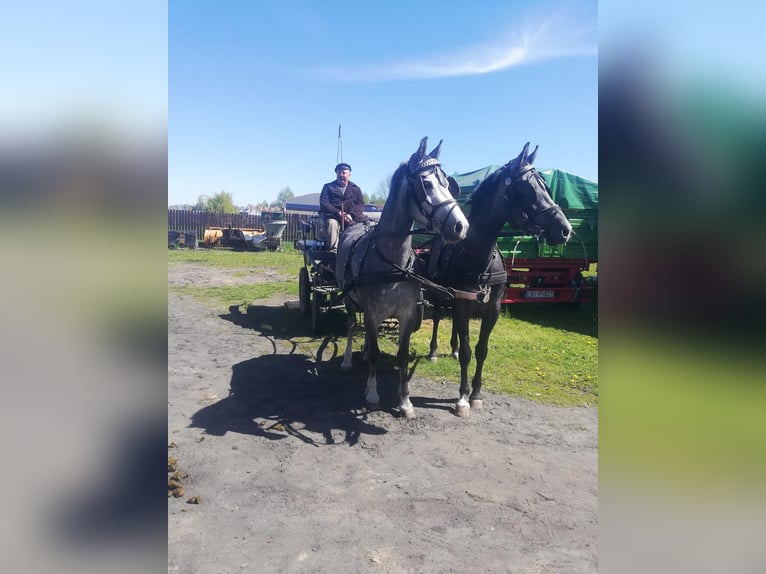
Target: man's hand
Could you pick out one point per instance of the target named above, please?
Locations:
(347, 218)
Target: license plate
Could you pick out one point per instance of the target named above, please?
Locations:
(538, 294)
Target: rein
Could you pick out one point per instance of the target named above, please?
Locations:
(448, 292)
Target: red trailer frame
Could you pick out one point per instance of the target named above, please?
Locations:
(548, 279)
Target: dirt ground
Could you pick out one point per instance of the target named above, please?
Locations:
(294, 475)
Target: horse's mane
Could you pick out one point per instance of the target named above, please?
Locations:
(396, 182)
(484, 190)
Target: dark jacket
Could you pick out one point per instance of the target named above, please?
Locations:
(331, 200)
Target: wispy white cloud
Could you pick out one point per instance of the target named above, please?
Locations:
(555, 35)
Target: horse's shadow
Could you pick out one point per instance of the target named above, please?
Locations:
(282, 394)
(277, 396)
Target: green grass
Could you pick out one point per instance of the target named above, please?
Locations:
(543, 352)
(241, 264)
(240, 295)
(287, 261)
(547, 353)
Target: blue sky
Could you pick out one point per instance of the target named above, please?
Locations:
(257, 90)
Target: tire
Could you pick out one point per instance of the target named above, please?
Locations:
(316, 312)
(304, 291)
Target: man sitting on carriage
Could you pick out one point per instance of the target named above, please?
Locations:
(341, 204)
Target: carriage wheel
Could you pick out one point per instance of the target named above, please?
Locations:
(316, 311)
(304, 291)
(421, 311)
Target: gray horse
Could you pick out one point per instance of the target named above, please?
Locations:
(373, 267)
(474, 268)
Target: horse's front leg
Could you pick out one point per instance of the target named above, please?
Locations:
(453, 341)
(460, 318)
(403, 356)
(373, 351)
(482, 349)
(350, 324)
(433, 356)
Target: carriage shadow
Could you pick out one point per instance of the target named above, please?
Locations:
(277, 396)
(286, 323)
(288, 393)
(282, 326)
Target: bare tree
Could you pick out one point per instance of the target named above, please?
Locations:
(381, 193)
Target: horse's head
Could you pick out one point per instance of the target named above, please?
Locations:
(433, 195)
(532, 207)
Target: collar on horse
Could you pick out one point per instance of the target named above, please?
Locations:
(481, 281)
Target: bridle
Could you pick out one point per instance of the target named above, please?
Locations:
(418, 172)
(531, 223)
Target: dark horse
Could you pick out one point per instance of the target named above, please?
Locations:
(373, 267)
(474, 267)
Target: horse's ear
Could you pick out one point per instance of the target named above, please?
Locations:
(519, 159)
(436, 151)
(422, 149)
(531, 158)
(523, 160)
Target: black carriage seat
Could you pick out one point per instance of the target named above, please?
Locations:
(323, 256)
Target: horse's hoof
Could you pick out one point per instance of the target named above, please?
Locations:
(372, 406)
(408, 413)
(345, 368)
(477, 404)
(455, 355)
(433, 358)
(462, 410)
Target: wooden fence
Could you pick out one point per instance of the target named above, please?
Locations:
(197, 221)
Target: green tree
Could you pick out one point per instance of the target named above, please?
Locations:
(221, 202)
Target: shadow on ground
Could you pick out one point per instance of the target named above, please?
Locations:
(306, 396)
(276, 396)
(286, 323)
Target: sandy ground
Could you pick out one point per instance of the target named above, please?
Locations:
(294, 475)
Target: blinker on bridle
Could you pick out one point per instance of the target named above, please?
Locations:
(416, 172)
(529, 222)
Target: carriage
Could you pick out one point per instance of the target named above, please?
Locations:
(318, 292)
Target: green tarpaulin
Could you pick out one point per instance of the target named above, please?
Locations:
(577, 196)
(569, 191)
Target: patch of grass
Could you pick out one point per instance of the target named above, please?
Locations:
(287, 261)
(240, 295)
(545, 361)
